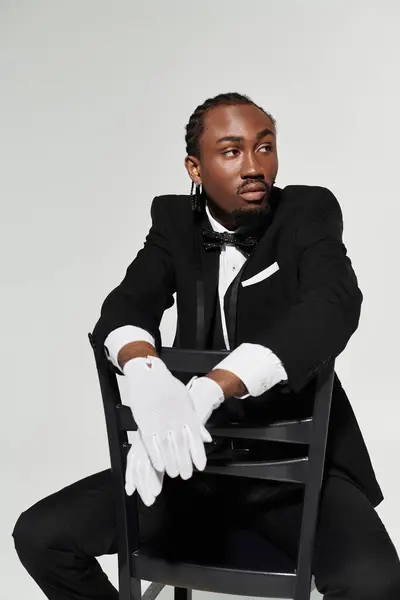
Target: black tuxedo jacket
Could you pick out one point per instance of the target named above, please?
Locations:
(305, 312)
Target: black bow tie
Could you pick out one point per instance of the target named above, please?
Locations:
(212, 240)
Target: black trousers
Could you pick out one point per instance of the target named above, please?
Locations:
(58, 538)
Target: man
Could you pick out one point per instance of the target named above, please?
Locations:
(277, 289)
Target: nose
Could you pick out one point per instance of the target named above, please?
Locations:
(250, 166)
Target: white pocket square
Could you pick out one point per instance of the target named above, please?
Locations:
(261, 275)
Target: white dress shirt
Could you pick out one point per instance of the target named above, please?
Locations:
(257, 366)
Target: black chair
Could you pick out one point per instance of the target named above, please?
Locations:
(275, 575)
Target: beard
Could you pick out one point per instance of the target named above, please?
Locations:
(251, 221)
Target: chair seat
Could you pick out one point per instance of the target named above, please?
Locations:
(246, 563)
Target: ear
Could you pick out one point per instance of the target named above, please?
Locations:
(192, 165)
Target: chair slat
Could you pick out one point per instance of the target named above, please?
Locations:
(294, 469)
(214, 579)
(296, 432)
(125, 418)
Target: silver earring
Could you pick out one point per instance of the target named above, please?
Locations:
(197, 197)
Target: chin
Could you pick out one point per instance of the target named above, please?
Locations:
(254, 207)
(250, 215)
(260, 206)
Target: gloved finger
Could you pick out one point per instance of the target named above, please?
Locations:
(130, 488)
(205, 435)
(153, 480)
(182, 453)
(129, 479)
(154, 450)
(170, 460)
(197, 450)
(143, 489)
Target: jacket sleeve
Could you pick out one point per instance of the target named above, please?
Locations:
(317, 328)
(147, 288)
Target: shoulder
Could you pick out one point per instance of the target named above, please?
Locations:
(310, 200)
(171, 212)
(313, 211)
(172, 204)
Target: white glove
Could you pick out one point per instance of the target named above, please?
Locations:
(206, 395)
(140, 474)
(163, 410)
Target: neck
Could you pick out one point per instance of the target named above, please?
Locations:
(225, 219)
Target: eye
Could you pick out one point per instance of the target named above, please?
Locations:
(266, 147)
(230, 152)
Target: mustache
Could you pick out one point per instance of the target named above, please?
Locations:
(248, 182)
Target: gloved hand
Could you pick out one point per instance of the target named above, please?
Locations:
(140, 474)
(163, 410)
(206, 395)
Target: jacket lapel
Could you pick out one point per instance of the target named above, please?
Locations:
(261, 256)
(263, 253)
(207, 276)
(210, 274)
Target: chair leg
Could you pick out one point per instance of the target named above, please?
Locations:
(135, 591)
(129, 588)
(182, 594)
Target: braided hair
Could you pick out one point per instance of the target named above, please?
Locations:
(195, 129)
(195, 126)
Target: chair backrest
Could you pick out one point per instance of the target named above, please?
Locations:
(311, 431)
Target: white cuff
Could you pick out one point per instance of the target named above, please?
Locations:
(121, 336)
(257, 366)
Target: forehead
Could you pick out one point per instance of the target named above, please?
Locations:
(244, 120)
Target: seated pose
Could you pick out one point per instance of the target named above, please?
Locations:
(260, 271)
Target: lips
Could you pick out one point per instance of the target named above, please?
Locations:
(253, 192)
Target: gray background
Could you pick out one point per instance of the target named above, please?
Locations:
(94, 98)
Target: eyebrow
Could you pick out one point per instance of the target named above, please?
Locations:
(238, 138)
